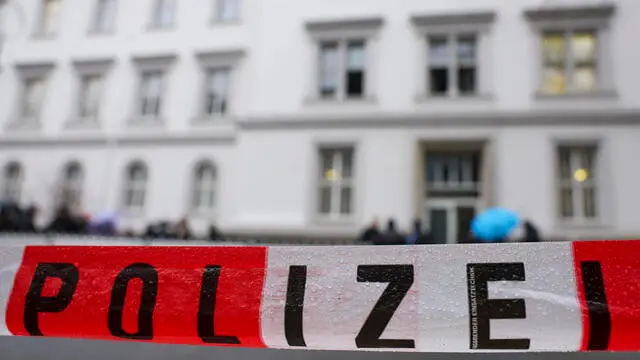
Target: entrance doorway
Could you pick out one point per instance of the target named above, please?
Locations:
(450, 220)
(453, 192)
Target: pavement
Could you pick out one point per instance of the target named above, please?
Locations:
(18, 348)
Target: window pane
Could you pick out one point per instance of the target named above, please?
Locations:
(50, 16)
(589, 201)
(217, 91)
(587, 161)
(554, 80)
(553, 48)
(467, 80)
(584, 48)
(329, 69)
(355, 55)
(325, 200)
(327, 168)
(228, 10)
(33, 93)
(566, 173)
(105, 15)
(566, 203)
(347, 164)
(439, 78)
(467, 49)
(584, 78)
(439, 52)
(345, 200)
(90, 95)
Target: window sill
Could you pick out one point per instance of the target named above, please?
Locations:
(339, 221)
(221, 22)
(202, 214)
(593, 95)
(82, 124)
(100, 33)
(24, 125)
(160, 28)
(146, 122)
(133, 213)
(215, 120)
(421, 98)
(367, 100)
(43, 36)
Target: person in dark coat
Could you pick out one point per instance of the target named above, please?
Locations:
(371, 232)
(416, 234)
(391, 236)
(531, 233)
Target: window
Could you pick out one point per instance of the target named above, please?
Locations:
(342, 79)
(227, 10)
(452, 68)
(50, 17)
(163, 13)
(204, 187)
(71, 187)
(32, 98)
(216, 91)
(135, 188)
(336, 182)
(569, 61)
(90, 94)
(578, 183)
(12, 182)
(575, 50)
(151, 93)
(454, 173)
(105, 16)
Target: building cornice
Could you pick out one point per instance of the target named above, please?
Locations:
(103, 140)
(418, 120)
(316, 122)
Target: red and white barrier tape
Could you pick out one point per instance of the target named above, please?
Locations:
(580, 296)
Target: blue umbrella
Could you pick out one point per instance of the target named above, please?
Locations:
(494, 224)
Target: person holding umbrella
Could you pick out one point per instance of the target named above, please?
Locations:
(494, 225)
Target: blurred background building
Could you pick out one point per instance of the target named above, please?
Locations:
(312, 117)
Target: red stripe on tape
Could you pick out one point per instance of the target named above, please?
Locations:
(185, 295)
(608, 280)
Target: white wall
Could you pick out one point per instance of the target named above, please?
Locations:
(267, 176)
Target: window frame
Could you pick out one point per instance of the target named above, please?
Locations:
(42, 14)
(128, 186)
(99, 68)
(164, 65)
(364, 30)
(17, 185)
(74, 186)
(94, 27)
(453, 26)
(229, 60)
(335, 215)
(218, 6)
(26, 72)
(578, 217)
(453, 41)
(155, 23)
(342, 85)
(197, 188)
(569, 20)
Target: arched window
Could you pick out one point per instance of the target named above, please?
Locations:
(204, 187)
(71, 185)
(135, 186)
(12, 182)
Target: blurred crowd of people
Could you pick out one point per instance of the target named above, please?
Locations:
(421, 235)
(16, 219)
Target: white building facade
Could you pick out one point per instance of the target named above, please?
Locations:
(310, 118)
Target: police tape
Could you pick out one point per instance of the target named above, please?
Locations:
(581, 296)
